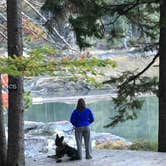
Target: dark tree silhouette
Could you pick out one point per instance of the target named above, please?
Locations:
(162, 82)
(15, 152)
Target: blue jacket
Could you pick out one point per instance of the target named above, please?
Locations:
(82, 118)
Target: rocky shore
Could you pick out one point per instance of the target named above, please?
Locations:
(46, 86)
(39, 138)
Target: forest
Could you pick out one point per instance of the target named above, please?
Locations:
(56, 37)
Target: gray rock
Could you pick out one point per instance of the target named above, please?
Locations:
(64, 127)
(30, 125)
(51, 128)
(35, 145)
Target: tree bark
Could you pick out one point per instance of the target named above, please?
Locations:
(15, 152)
(162, 79)
(2, 131)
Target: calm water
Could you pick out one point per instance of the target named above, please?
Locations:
(145, 127)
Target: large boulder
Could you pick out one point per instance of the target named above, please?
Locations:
(31, 125)
(60, 126)
(51, 128)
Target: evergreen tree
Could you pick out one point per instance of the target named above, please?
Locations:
(104, 17)
(145, 15)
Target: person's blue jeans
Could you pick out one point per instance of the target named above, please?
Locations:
(83, 132)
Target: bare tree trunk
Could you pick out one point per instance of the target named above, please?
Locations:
(2, 131)
(15, 152)
(162, 85)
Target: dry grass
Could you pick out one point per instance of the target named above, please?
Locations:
(112, 145)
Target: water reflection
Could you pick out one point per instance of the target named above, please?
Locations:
(145, 127)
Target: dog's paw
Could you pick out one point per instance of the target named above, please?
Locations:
(58, 161)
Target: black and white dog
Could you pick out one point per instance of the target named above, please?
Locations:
(64, 152)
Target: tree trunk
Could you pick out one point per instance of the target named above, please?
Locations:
(2, 131)
(15, 152)
(162, 79)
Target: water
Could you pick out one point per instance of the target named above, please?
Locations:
(143, 128)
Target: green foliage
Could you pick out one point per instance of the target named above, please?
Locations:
(53, 5)
(27, 100)
(28, 66)
(127, 102)
(115, 19)
(38, 62)
(87, 23)
(82, 68)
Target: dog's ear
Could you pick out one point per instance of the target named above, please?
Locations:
(56, 139)
(57, 136)
(61, 139)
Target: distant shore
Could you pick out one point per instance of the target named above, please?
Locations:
(72, 99)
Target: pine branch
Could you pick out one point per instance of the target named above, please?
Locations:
(132, 78)
(124, 8)
(127, 102)
(128, 5)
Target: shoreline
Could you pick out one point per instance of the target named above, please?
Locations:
(72, 99)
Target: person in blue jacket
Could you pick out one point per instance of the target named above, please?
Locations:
(81, 118)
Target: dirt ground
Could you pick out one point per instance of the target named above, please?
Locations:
(107, 158)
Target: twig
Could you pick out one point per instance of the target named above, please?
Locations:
(132, 78)
(3, 35)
